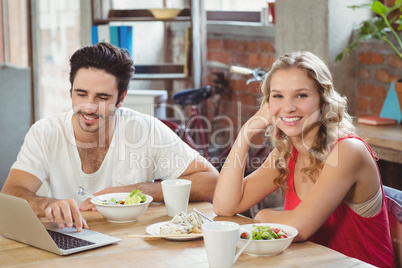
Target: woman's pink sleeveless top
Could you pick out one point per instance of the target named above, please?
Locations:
(366, 239)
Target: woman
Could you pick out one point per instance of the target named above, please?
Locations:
(334, 193)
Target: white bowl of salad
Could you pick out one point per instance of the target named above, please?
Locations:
(268, 238)
(122, 207)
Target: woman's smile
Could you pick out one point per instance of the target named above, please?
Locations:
(291, 120)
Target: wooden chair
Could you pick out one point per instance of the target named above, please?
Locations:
(394, 203)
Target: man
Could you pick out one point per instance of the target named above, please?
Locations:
(101, 146)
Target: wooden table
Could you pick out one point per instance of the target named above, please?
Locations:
(139, 252)
(386, 141)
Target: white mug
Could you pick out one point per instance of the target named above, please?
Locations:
(220, 239)
(176, 194)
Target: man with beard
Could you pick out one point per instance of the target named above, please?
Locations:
(101, 146)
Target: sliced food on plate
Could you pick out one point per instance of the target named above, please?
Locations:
(182, 224)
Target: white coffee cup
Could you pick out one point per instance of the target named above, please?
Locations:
(220, 239)
(176, 194)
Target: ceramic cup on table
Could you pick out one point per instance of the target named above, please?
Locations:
(220, 239)
(176, 194)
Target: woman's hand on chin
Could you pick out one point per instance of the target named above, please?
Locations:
(258, 122)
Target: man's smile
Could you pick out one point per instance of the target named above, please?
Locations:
(89, 118)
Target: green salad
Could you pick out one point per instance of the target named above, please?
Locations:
(261, 232)
(135, 197)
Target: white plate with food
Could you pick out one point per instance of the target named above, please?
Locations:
(154, 230)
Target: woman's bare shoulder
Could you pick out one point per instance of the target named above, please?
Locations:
(351, 149)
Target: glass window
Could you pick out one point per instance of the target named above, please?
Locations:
(58, 38)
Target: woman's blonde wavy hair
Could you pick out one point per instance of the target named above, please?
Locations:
(334, 121)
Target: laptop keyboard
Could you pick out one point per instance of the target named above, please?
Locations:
(64, 241)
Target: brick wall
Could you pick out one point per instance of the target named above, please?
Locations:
(378, 67)
(239, 101)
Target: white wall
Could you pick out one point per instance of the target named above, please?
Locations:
(15, 110)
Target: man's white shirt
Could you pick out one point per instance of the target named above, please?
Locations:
(142, 149)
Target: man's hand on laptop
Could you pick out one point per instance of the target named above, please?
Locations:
(65, 213)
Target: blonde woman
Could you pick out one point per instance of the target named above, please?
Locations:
(333, 189)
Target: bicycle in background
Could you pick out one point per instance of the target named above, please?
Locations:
(258, 74)
(193, 130)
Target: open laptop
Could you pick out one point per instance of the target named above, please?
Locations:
(19, 222)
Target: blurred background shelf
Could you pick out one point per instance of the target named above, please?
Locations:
(192, 12)
(125, 15)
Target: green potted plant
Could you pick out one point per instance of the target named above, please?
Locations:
(378, 27)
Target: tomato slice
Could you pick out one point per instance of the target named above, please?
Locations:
(244, 235)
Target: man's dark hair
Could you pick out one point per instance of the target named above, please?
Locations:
(106, 57)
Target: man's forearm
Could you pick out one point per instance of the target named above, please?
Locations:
(153, 189)
(202, 186)
(37, 203)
